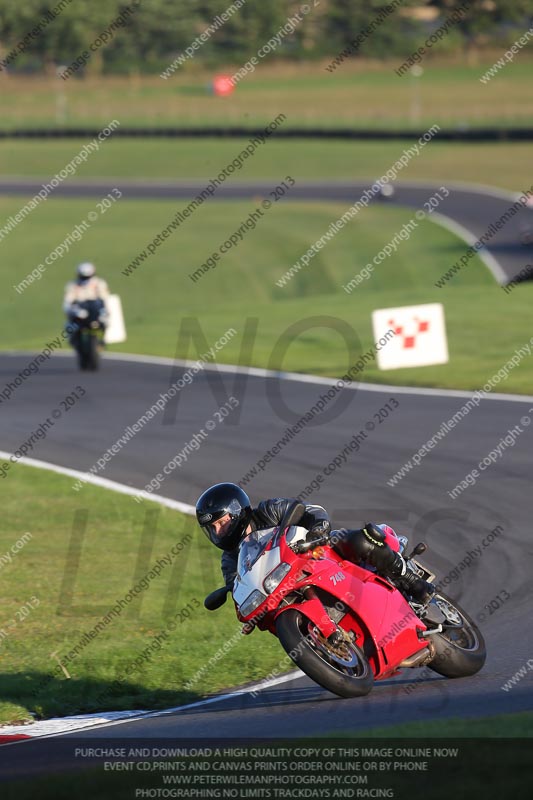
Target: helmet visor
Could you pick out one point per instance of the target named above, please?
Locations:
(206, 524)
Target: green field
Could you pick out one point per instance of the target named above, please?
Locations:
(160, 299)
(115, 556)
(501, 165)
(359, 94)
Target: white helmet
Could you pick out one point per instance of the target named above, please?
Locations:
(86, 270)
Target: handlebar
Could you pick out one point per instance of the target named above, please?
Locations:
(304, 547)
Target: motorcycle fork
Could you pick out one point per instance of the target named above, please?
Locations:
(313, 609)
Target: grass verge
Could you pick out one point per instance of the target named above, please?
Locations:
(85, 554)
(179, 159)
(164, 308)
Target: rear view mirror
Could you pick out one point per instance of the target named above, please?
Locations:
(217, 598)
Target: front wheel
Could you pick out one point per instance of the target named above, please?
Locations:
(460, 648)
(93, 356)
(88, 351)
(340, 668)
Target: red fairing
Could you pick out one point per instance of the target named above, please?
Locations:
(381, 619)
(345, 626)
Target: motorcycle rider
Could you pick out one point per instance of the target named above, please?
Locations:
(226, 516)
(86, 286)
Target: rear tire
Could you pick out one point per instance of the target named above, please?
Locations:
(460, 647)
(343, 670)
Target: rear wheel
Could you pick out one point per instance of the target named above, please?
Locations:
(342, 668)
(460, 648)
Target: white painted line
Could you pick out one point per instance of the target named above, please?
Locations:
(104, 483)
(470, 238)
(56, 725)
(61, 725)
(299, 377)
(259, 686)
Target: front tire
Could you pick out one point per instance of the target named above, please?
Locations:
(93, 357)
(82, 355)
(460, 648)
(343, 670)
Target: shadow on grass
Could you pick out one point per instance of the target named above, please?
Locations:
(44, 696)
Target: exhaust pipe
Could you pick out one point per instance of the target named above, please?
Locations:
(417, 659)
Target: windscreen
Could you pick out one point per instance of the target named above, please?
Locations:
(252, 547)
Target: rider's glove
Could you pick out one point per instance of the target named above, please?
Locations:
(321, 527)
(318, 529)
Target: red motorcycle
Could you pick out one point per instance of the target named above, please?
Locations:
(341, 624)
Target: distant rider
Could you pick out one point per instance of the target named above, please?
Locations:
(87, 286)
(225, 515)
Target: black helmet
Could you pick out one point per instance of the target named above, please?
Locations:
(220, 499)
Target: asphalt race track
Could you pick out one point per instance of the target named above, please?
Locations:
(418, 505)
(358, 492)
(472, 207)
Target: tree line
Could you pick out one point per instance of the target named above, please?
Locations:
(143, 35)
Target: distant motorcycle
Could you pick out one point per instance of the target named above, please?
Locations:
(87, 321)
(386, 192)
(343, 625)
